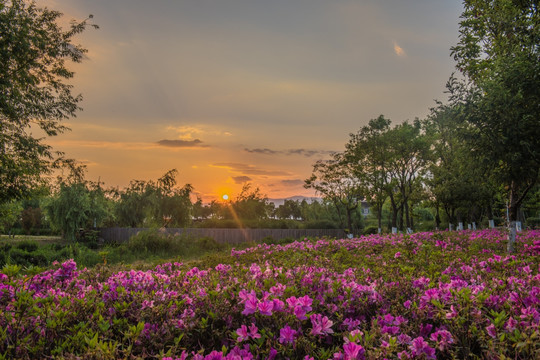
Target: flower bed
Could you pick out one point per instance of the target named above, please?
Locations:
(425, 296)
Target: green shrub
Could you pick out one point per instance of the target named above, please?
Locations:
(370, 230)
(206, 244)
(533, 222)
(27, 245)
(26, 259)
(320, 224)
(271, 241)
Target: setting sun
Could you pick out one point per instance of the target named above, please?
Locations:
(225, 197)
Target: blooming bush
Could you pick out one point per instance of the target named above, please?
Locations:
(440, 295)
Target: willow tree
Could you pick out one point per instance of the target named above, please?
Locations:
(499, 53)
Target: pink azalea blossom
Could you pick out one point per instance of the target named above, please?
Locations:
(353, 351)
(420, 347)
(321, 325)
(266, 307)
(287, 335)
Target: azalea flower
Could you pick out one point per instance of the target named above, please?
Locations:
(287, 335)
(321, 325)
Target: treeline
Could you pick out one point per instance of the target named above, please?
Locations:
(72, 204)
(402, 171)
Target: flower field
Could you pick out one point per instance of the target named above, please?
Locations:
(444, 295)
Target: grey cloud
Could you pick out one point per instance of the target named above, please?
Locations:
(246, 169)
(294, 182)
(262, 151)
(241, 179)
(301, 152)
(181, 143)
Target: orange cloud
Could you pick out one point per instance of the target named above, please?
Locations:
(398, 50)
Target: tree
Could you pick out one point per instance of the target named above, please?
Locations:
(77, 203)
(335, 180)
(498, 53)
(250, 204)
(34, 90)
(368, 156)
(155, 203)
(10, 213)
(455, 182)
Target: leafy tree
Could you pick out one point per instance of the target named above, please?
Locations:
(289, 210)
(498, 53)
(455, 182)
(368, 156)
(335, 180)
(155, 203)
(10, 213)
(34, 52)
(250, 204)
(77, 204)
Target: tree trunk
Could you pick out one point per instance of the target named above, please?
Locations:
(513, 207)
(437, 217)
(407, 215)
(349, 221)
(379, 218)
(394, 211)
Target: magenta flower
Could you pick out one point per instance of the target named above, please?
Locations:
(287, 335)
(420, 347)
(305, 302)
(491, 331)
(278, 305)
(353, 351)
(292, 302)
(245, 334)
(242, 333)
(321, 325)
(511, 324)
(443, 338)
(266, 307)
(250, 305)
(300, 313)
(253, 331)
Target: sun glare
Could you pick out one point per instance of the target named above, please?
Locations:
(225, 197)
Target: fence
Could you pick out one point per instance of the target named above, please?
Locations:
(229, 236)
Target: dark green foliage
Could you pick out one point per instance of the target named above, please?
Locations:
(533, 223)
(34, 52)
(155, 203)
(26, 258)
(27, 245)
(156, 243)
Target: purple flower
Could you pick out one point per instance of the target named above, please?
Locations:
(273, 354)
(321, 325)
(419, 347)
(278, 305)
(287, 335)
(242, 333)
(353, 351)
(266, 307)
(305, 302)
(491, 331)
(250, 305)
(443, 338)
(407, 304)
(300, 313)
(253, 331)
(511, 324)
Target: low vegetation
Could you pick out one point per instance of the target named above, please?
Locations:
(441, 295)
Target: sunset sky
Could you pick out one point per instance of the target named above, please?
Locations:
(235, 91)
